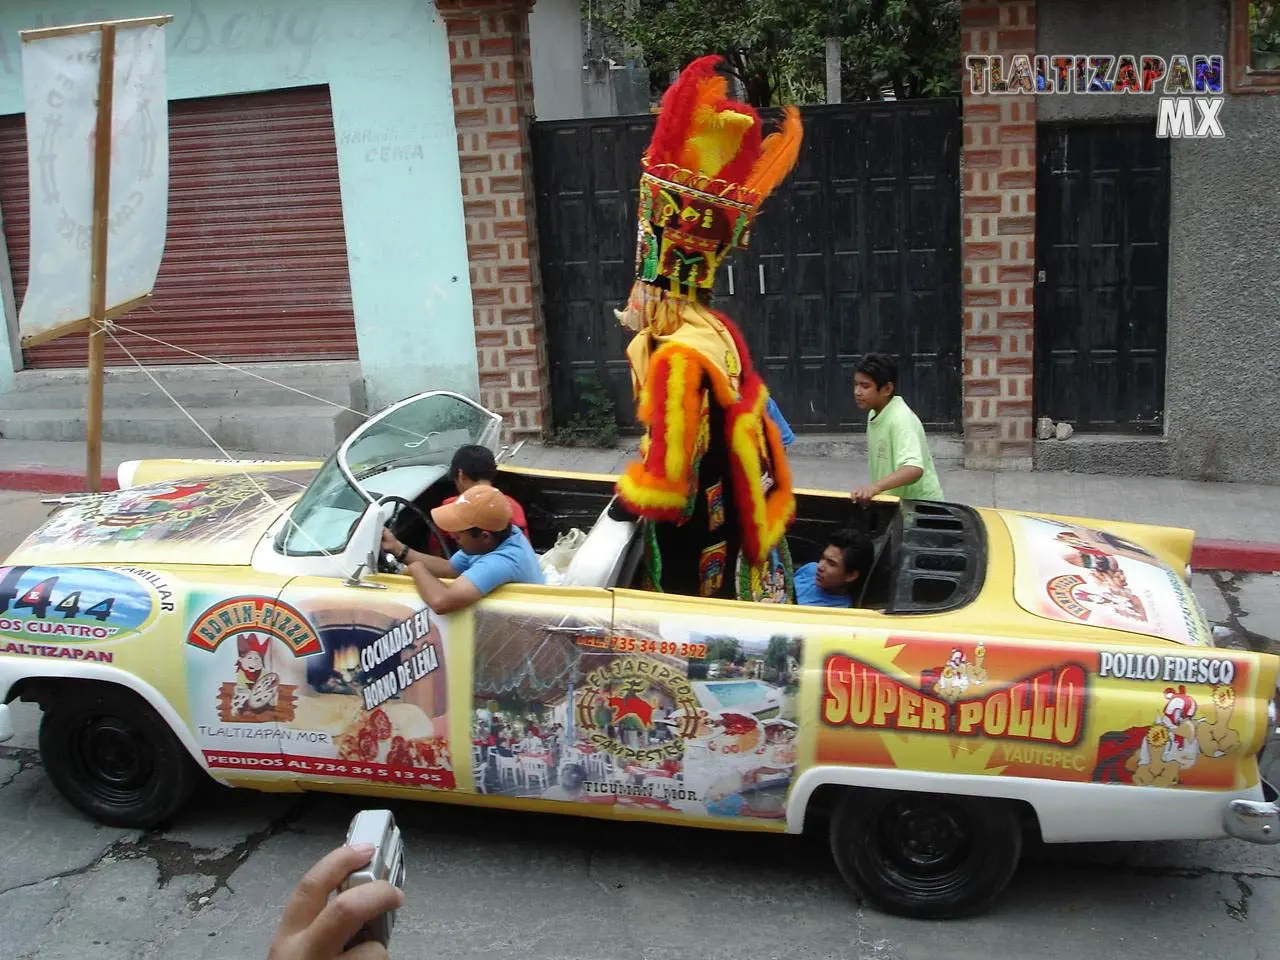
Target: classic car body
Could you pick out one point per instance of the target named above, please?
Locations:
(995, 680)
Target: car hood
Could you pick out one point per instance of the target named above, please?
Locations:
(1122, 576)
(216, 520)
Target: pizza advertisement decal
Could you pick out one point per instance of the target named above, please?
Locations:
(1076, 575)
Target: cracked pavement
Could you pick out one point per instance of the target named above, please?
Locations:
(485, 884)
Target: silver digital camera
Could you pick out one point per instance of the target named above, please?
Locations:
(378, 828)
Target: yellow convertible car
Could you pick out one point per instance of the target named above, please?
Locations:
(1003, 676)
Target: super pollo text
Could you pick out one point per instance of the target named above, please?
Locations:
(1046, 708)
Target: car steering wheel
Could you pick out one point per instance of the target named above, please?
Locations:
(403, 504)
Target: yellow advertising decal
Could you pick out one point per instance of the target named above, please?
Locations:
(1051, 711)
(1075, 575)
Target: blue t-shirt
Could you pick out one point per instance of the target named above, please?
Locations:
(784, 428)
(809, 594)
(512, 562)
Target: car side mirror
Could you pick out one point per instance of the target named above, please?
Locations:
(366, 540)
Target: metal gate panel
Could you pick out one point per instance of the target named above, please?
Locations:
(255, 261)
(1102, 228)
(859, 250)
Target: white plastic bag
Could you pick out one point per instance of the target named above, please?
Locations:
(556, 561)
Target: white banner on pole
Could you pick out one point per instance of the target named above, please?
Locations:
(60, 87)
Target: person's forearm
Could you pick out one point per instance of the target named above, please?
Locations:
(899, 478)
(438, 566)
(432, 591)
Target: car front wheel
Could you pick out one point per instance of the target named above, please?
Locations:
(113, 758)
(926, 855)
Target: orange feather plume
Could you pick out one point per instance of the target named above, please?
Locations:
(778, 155)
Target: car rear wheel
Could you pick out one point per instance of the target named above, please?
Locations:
(113, 758)
(926, 855)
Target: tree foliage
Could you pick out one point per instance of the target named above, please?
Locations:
(776, 48)
(1264, 27)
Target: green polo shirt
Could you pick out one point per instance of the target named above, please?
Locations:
(895, 438)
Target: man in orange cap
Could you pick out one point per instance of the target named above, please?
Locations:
(493, 552)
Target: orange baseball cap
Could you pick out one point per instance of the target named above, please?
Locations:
(481, 506)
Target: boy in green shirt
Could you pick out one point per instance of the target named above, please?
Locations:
(896, 447)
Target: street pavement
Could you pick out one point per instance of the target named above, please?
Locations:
(485, 884)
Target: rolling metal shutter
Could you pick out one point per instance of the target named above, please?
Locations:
(255, 260)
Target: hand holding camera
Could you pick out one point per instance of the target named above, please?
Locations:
(367, 874)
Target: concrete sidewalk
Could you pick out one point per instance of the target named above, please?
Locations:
(1247, 514)
(1225, 511)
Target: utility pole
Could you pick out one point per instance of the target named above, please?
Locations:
(833, 55)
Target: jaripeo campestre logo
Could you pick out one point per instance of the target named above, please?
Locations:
(1047, 707)
(624, 690)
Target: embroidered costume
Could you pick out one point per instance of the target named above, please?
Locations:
(712, 477)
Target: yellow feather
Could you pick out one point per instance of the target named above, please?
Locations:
(716, 139)
(778, 155)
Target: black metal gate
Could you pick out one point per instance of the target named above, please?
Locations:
(1102, 228)
(858, 251)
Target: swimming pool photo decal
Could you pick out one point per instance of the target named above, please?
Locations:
(634, 715)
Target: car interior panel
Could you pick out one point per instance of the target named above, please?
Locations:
(927, 557)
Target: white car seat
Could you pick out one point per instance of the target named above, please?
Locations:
(609, 555)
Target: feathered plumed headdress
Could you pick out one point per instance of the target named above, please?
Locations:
(706, 172)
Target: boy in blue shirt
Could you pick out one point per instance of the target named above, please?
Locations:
(493, 552)
(829, 582)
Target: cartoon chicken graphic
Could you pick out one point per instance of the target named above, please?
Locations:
(957, 674)
(1216, 738)
(255, 690)
(1149, 765)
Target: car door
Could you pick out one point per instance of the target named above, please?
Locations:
(696, 708)
(477, 701)
(373, 699)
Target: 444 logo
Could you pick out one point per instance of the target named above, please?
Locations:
(79, 603)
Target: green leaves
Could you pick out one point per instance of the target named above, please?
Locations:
(777, 47)
(1264, 27)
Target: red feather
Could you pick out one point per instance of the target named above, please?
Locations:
(678, 104)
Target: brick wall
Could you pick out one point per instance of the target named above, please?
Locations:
(998, 196)
(492, 105)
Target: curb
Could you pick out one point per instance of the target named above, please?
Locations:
(39, 480)
(1239, 556)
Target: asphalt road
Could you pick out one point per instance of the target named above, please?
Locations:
(498, 885)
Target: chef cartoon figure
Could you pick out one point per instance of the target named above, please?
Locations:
(1179, 717)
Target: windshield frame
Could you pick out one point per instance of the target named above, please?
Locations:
(486, 439)
(291, 540)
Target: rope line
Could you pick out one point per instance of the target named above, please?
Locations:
(109, 326)
(231, 366)
(208, 436)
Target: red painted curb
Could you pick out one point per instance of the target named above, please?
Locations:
(50, 481)
(1243, 556)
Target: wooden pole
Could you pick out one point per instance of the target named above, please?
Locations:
(98, 252)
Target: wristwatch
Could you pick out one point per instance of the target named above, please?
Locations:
(403, 555)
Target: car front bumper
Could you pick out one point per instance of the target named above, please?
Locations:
(6, 723)
(1257, 821)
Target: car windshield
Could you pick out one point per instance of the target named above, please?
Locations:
(421, 432)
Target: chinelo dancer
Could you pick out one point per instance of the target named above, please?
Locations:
(712, 476)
